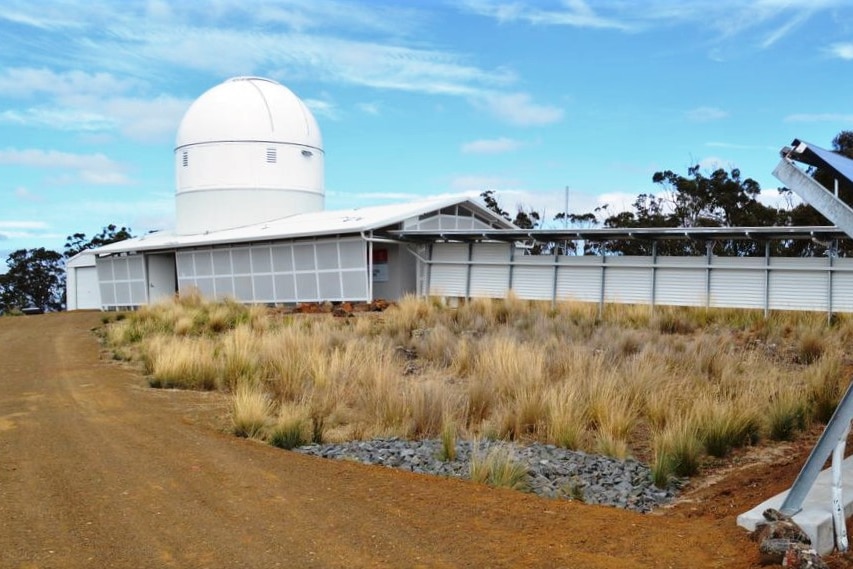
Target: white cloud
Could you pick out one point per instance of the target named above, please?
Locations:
(770, 20)
(369, 108)
(519, 109)
(24, 194)
(478, 184)
(575, 13)
(820, 117)
(59, 119)
(705, 114)
(90, 102)
(91, 168)
(491, 146)
(22, 224)
(841, 50)
(322, 108)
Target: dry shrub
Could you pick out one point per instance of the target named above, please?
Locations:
(426, 403)
(292, 427)
(810, 347)
(568, 417)
(185, 363)
(250, 411)
(677, 451)
(725, 425)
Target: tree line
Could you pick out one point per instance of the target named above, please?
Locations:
(35, 278)
(723, 198)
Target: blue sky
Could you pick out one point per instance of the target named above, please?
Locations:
(414, 98)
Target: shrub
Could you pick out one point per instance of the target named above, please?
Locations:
(448, 441)
(291, 428)
(786, 415)
(498, 468)
(250, 410)
(677, 451)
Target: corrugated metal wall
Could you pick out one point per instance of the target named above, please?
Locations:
(772, 283)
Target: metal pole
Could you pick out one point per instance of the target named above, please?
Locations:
(834, 432)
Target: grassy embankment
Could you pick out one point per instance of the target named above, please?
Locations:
(669, 387)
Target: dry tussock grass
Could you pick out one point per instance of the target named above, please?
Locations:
(669, 385)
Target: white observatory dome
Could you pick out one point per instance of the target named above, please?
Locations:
(247, 151)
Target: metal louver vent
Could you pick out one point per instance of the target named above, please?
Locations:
(185, 159)
(271, 156)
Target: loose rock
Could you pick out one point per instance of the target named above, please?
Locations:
(551, 471)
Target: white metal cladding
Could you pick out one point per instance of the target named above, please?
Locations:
(842, 283)
(681, 281)
(739, 282)
(122, 281)
(533, 277)
(280, 272)
(627, 280)
(579, 278)
(803, 285)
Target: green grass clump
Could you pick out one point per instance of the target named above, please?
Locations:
(498, 468)
(677, 452)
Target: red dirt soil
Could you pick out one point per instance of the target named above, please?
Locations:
(98, 470)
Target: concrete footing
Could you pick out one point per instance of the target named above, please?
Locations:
(816, 516)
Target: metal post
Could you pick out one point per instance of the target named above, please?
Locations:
(709, 252)
(767, 279)
(554, 284)
(834, 432)
(654, 274)
(601, 298)
(468, 275)
(838, 519)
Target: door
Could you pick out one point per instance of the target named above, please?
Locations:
(162, 276)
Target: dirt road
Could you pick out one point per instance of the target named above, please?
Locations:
(97, 470)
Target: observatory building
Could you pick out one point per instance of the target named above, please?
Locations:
(251, 225)
(250, 217)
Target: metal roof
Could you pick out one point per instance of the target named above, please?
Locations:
(304, 225)
(644, 233)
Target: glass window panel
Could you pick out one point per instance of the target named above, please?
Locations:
(123, 294)
(353, 254)
(282, 258)
(285, 291)
(108, 294)
(261, 260)
(135, 266)
(203, 264)
(327, 255)
(330, 286)
(306, 287)
(243, 289)
(120, 269)
(222, 262)
(224, 287)
(105, 269)
(240, 261)
(205, 287)
(185, 265)
(263, 288)
(304, 256)
(137, 293)
(354, 285)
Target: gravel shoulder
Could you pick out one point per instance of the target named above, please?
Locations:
(97, 470)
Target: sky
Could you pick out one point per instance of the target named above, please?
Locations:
(415, 99)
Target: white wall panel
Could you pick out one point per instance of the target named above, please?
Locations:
(798, 290)
(626, 285)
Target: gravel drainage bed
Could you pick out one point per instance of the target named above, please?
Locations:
(552, 472)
